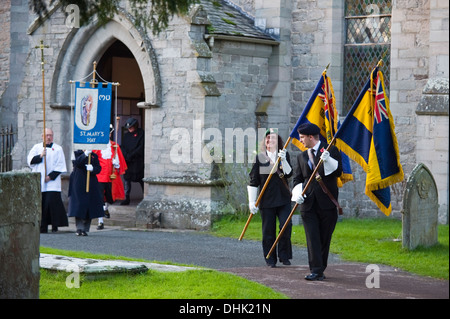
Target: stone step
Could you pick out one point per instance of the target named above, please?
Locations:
(124, 216)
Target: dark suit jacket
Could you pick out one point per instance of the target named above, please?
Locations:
(82, 204)
(302, 173)
(276, 194)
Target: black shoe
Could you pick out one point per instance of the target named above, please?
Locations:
(315, 277)
(83, 233)
(125, 202)
(271, 264)
(78, 233)
(285, 262)
(107, 215)
(54, 229)
(100, 226)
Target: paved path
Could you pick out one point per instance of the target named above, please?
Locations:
(245, 258)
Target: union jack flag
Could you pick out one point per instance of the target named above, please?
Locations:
(326, 95)
(367, 135)
(380, 109)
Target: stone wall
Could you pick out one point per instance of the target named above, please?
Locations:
(432, 136)
(13, 53)
(5, 36)
(20, 214)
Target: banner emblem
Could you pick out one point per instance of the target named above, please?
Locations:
(92, 116)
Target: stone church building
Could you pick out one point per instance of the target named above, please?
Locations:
(205, 88)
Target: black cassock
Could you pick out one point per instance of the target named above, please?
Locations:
(133, 151)
(82, 204)
(53, 211)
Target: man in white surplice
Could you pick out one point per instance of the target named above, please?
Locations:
(53, 211)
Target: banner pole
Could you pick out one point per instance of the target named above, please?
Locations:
(42, 46)
(93, 82)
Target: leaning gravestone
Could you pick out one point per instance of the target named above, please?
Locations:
(20, 214)
(420, 209)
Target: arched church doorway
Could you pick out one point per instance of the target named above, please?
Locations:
(118, 64)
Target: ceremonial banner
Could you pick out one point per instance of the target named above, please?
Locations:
(92, 116)
(367, 136)
(321, 111)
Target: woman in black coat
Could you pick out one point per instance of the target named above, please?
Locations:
(276, 200)
(85, 206)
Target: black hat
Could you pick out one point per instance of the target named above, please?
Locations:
(308, 129)
(131, 122)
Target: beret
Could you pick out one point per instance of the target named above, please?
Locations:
(308, 129)
(271, 131)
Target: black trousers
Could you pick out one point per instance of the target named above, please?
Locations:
(269, 233)
(127, 187)
(106, 190)
(319, 226)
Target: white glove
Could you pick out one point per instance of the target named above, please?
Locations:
(252, 196)
(329, 163)
(297, 194)
(116, 163)
(89, 167)
(284, 163)
(87, 152)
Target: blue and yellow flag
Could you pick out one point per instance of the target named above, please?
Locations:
(367, 136)
(321, 111)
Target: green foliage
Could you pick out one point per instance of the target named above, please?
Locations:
(149, 14)
(157, 19)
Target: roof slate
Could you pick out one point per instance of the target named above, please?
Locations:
(228, 20)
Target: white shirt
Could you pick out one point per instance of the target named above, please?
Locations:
(272, 156)
(316, 149)
(55, 161)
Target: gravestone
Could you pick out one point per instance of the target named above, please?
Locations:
(420, 209)
(20, 214)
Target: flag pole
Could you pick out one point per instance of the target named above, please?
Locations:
(296, 204)
(42, 46)
(270, 176)
(303, 192)
(274, 168)
(308, 183)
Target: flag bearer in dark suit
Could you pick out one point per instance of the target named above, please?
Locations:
(276, 200)
(318, 210)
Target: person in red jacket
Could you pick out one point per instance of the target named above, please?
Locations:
(113, 165)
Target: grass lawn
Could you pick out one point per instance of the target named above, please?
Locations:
(375, 241)
(191, 284)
